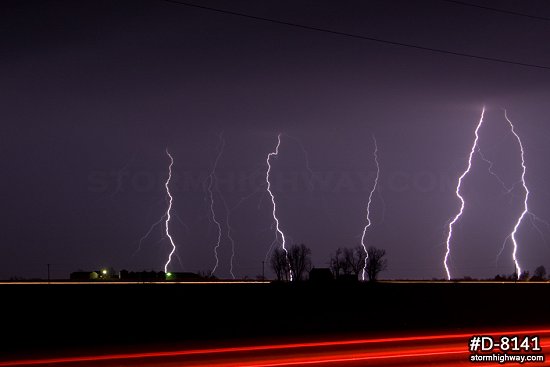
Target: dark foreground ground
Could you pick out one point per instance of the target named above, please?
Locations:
(40, 319)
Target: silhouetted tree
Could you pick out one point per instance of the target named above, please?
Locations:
(338, 263)
(299, 257)
(524, 275)
(539, 273)
(347, 261)
(507, 278)
(279, 264)
(375, 262)
(207, 275)
(355, 259)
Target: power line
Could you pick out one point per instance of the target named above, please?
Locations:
(464, 3)
(361, 37)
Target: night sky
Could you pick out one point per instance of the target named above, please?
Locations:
(93, 92)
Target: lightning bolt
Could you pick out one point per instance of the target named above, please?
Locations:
(273, 244)
(148, 233)
(374, 186)
(228, 234)
(279, 232)
(457, 191)
(228, 212)
(167, 215)
(212, 183)
(161, 219)
(311, 175)
(525, 206)
(507, 190)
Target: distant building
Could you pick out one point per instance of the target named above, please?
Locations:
(142, 276)
(84, 275)
(135, 276)
(320, 275)
(183, 277)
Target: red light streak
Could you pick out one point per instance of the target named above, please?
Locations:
(321, 357)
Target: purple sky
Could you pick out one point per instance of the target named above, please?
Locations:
(93, 92)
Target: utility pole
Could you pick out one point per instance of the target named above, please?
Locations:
(48, 273)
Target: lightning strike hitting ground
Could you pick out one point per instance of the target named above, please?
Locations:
(508, 190)
(525, 207)
(168, 211)
(211, 185)
(310, 178)
(462, 203)
(279, 232)
(374, 186)
(158, 222)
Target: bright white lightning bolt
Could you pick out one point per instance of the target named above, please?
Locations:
(168, 211)
(508, 190)
(525, 207)
(311, 175)
(275, 219)
(462, 203)
(212, 182)
(374, 186)
(148, 233)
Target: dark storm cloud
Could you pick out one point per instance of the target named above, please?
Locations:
(93, 92)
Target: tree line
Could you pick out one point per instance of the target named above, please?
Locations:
(294, 263)
(538, 275)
